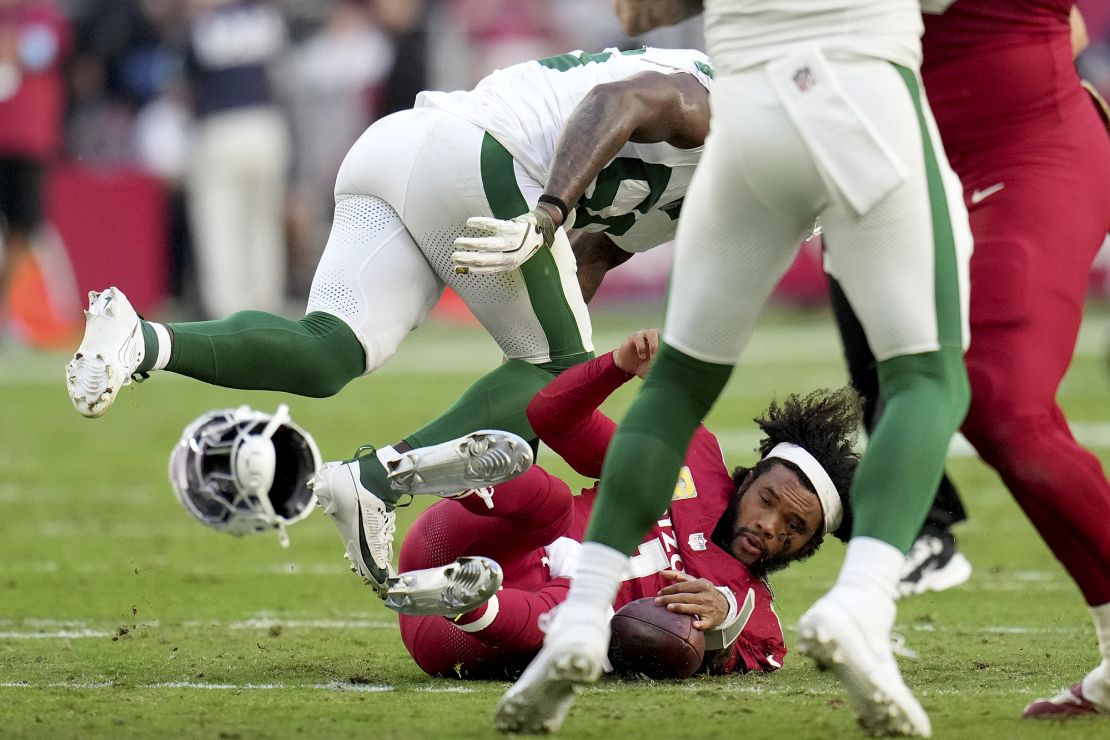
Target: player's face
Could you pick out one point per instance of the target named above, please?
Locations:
(776, 517)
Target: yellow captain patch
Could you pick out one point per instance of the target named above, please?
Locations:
(685, 487)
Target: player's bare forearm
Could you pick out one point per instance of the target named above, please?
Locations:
(595, 254)
(594, 133)
(649, 107)
(640, 16)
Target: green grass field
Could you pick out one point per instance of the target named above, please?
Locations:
(120, 616)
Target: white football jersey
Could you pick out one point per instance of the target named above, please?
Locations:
(637, 196)
(743, 33)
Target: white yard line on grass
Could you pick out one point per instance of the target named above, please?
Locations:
(55, 635)
(342, 686)
(317, 624)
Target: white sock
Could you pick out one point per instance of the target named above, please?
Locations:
(1096, 684)
(872, 566)
(162, 334)
(869, 578)
(493, 608)
(1100, 615)
(596, 579)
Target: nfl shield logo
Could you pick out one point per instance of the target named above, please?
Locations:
(697, 541)
(804, 79)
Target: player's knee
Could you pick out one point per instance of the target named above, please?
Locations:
(938, 378)
(330, 355)
(997, 429)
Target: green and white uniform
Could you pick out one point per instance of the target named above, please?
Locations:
(408, 185)
(818, 112)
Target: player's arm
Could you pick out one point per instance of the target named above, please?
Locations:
(565, 415)
(596, 254)
(640, 16)
(647, 108)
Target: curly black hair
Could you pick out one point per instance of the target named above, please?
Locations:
(826, 424)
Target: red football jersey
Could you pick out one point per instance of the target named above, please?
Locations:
(565, 415)
(972, 26)
(998, 63)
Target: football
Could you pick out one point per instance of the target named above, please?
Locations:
(649, 640)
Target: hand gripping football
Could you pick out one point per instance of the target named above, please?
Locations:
(649, 640)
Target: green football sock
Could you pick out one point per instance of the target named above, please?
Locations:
(498, 400)
(642, 464)
(925, 397)
(252, 350)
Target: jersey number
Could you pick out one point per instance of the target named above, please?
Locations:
(563, 62)
(591, 209)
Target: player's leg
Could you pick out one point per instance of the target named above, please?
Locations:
(372, 287)
(743, 219)
(509, 528)
(501, 634)
(934, 563)
(498, 399)
(1036, 239)
(536, 313)
(215, 202)
(902, 265)
(530, 511)
(265, 175)
(494, 642)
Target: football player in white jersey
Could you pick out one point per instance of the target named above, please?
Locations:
(817, 112)
(616, 133)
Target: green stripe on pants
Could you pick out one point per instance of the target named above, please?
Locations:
(541, 275)
(946, 283)
(925, 396)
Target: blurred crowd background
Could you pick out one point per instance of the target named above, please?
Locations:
(175, 131)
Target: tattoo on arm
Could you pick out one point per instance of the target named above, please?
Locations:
(648, 107)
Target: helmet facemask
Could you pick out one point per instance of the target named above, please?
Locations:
(243, 471)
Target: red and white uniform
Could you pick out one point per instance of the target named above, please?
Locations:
(1034, 159)
(536, 527)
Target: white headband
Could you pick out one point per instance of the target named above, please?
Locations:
(826, 491)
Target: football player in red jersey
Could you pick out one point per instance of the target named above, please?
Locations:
(708, 555)
(1034, 157)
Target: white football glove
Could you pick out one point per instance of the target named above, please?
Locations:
(511, 244)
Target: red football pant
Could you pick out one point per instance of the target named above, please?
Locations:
(1035, 240)
(529, 512)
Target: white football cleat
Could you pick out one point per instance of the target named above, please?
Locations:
(447, 591)
(840, 640)
(573, 656)
(365, 522)
(109, 355)
(933, 564)
(483, 458)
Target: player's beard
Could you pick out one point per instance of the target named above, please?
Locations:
(729, 530)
